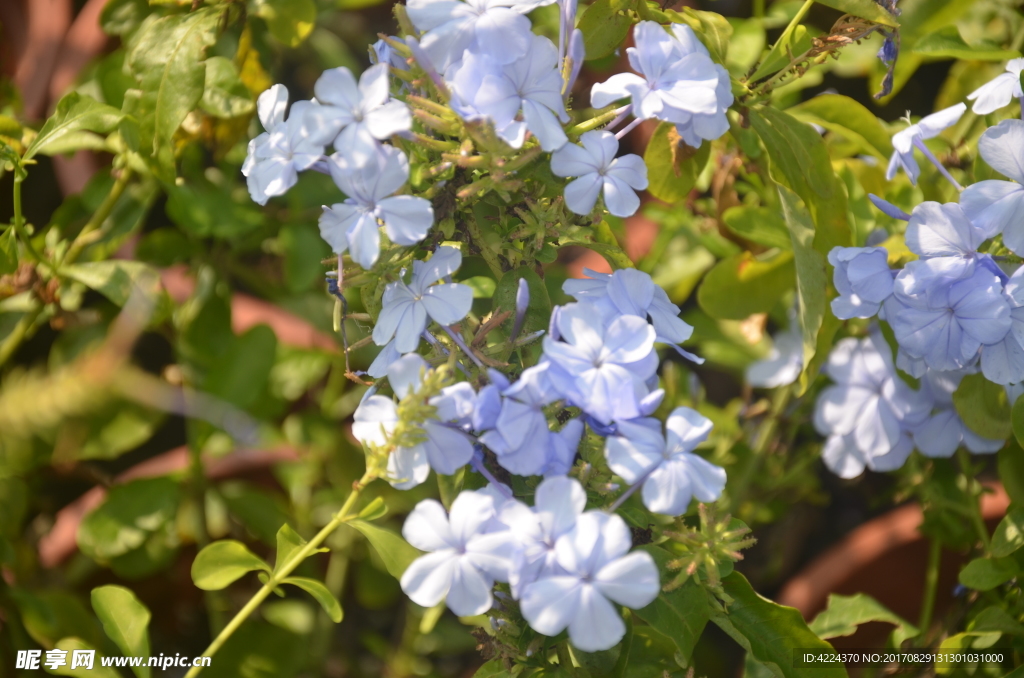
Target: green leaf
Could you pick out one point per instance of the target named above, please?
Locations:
(288, 542)
(125, 620)
(492, 669)
(800, 161)
(983, 406)
(167, 58)
(204, 209)
(290, 21)
(222, 562)
(326, 599)
(1009, 535)
(260, 650)
(984, 574)
(672, 166)
(865, 9)
(762, 225)
(123, 430)
(129, 515)
(116, 279)
(680, 614)
(1010, 461)
(395, 552)
(947, 42)
(604, 25)
(1017, 420)
(241, 376)
(448, 487)
(844, 614)
(812, 278)
(123, 16)
(224, 93)
(771, 632)
(75, 113)
(743, 284)
(375, 510)
(8, 252)
(996, 619)
(538, 312)
(848, 118)
(261, 512)
(69, 645)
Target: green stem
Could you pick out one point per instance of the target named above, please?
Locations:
(758, 10)
(931, 582)
(19, 227)
(84, 238)
(489, 255)
(964, 457)
(343, 516)
(20, 333)
(784, 40)
(594, 123)
(764, 438)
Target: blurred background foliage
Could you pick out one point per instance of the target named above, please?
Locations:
(115, 468)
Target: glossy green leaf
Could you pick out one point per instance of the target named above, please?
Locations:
(69, 645)
(947, 43)
(1009, 535)
(75, 113)
(762, 225)
(395, 552)
(224, 93)
(492, 669)
(984, 574)
(288, 543)
(865, 9)
(672, 166)
(120, 17)
(812, 278)
(129, 515)
(222, 562)
(680, 614)
(167, 58)
(322, 595)
(771, 632)
(538, 312)
(605, 25)
(848, 118)
(290, 21)
(743, 284)
(116, 279)
(983, 406)
(241, 376)
(844, 614)
(125, 621)
(800, 161)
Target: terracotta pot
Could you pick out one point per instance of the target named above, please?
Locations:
(885, 558)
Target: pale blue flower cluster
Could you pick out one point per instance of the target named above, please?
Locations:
(568, 568)
(954, 310)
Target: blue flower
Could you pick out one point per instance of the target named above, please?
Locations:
(943, 234)
(999, 91)
(632, 292)
(942, 432)
(994, 206)
(519, 96)
(408, 307)
(495, 28)
(597, 570)
(463, 558)
(598, 170)
(869, 412)
(1003, 362)
(785, 361)
(945, 320)
(275, 157)
(863, 279)
(603, 365)
(679, 82)
(665, 463)
(355, 116)
(445, 449)
(369, 185)
(913, 136)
